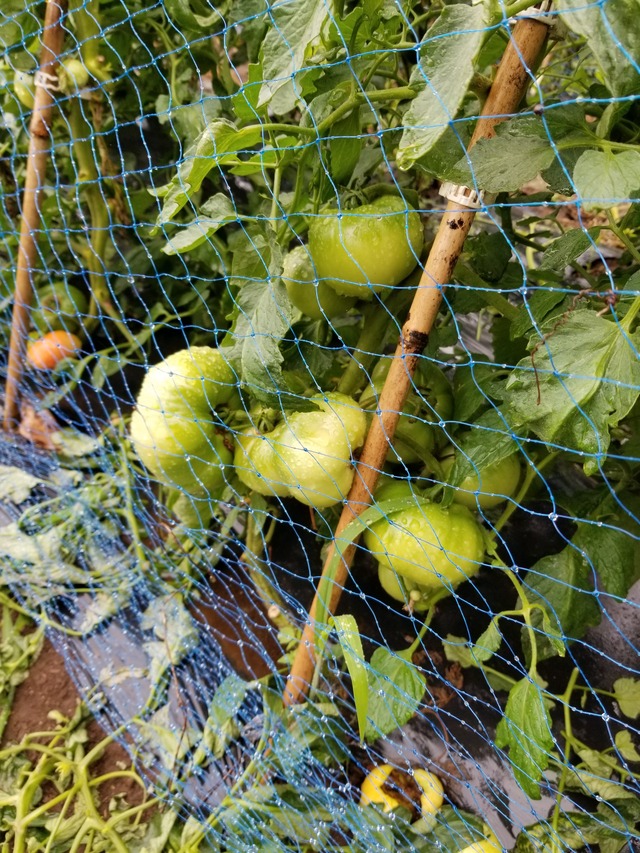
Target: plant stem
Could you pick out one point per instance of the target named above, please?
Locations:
(566, 699)
(89, 185)
(619, 233)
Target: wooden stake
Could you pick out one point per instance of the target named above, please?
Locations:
(40, 145)
(511, 82)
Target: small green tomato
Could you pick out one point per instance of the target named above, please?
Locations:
(314, 298)
(491, 486)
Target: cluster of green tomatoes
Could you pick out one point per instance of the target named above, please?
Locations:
(180, 427)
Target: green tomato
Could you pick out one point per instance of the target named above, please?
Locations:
(172, 429)
(72, 75)
(309, 455)
(314, 298)
(181, 452)
(60, 306)
(190, 383)
(24, 89)
(361, 251)
(428, 544)
(491, 486)
(404, 590)
(255, 464)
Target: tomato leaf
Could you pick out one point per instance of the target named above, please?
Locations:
(612, 34)
(562, 585)
(568, 248)
(192, 16)
(218, 144)
(525, 730)
(396, 689)
(578, 405)
(602, 178)
(294, 31)
(351, 644)
(214, 213)
(503, 163)
(441, 77)
(627, 691)
(487, 643)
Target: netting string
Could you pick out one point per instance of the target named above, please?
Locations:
(523, 52)
(40, 146)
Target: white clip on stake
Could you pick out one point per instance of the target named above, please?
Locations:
(465, 196)
(44, 80)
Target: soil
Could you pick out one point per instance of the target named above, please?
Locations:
(48, 687)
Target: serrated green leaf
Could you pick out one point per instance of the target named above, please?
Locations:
(602, 178)
(220, 142)
(396, 689)
(626, 746)
(351, 644)
(627, 691)
(562, 584)
(441, 77)
(487, 643)
(525, 730)
(214, 213)
(503, 163)
(567, 248)
(611, 31)
(574, 402)
(294, 30)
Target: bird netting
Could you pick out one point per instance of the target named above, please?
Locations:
(320, 461)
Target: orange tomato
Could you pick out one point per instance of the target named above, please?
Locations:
(51, 349)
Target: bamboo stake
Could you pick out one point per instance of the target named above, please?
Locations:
(511, 82)
(40, 144)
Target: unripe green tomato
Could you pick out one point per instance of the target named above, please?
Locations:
(172, 428)
(364, 250)
(417, 597)
(255, 464)
(183, 452)
(72, 75)
(314, 450)
(60, 306)
(428, 544)
(189, 383)
(24, 89)
(491, 486)
(314, 298)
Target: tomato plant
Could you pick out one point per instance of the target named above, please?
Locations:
(293, 157)
(60, 306)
